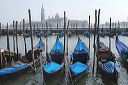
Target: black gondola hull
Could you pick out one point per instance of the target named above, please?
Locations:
(17, 74)
(78, 76)
(105, 75)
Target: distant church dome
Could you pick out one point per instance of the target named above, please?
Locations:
(57, 16)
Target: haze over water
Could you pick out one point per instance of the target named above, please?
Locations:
(75, 9)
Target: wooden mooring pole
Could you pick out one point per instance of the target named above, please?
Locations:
(64, 30)
(89, 33)
(17, 50)
(34, 30)
(118, 27)
(0, 29)
(31, 40)
(115, 31)
(76, 30)
(8, 46)
(67, 37)
(14, 36)
(57, 30)
(47, 41)
(43, 29)
(25, 46)
(67, 71)
(94, 44)
(110, 36)
(98, 40)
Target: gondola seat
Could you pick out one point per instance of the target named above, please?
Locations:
(78, 67)
(52, 67)
(110, 66)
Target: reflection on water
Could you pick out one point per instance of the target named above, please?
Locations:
(85, 80)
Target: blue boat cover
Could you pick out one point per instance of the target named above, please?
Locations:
(12, 69)
(120, 46)
(110, 66)
(40, 45)
(80, 46)
(86, 33)
(49, 32)
(27, 35)
(61, 33)
(52, 67)
(41, 33)
(78, 67)
(58, 46)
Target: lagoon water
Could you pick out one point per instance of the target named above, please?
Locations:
(85, 80)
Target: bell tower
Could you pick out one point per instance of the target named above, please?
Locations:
(42, 15)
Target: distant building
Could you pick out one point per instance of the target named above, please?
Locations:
(52, 23)
(78, 23)
(54, 20)
(123, 24)
(42, 15)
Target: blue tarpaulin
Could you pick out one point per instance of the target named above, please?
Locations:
(78, 67)
(110, 66)
(12, 69)
(80, 46)
(58, 46)
(121, 46)
(41, 33)
(40, 45)
(52, 67)
(49, 32)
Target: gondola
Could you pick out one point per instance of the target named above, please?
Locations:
(40, 34)
(86, 34)
(123, 52)
(102, 34)
(27, 35)
(61, 34)
(49, 32)
(55, 60)
(108, 67)
(79, 60)
(22, 65)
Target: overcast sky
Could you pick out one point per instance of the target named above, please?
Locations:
(75, 9)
